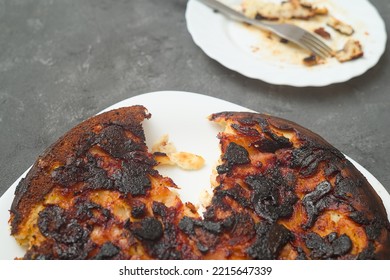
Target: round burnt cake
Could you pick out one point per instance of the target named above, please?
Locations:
(281, 192)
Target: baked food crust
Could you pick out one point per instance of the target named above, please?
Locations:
(39, 182)
(282, 192)
(94, 194)
(306, 195)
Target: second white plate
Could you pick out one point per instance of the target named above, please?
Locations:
(243, 50)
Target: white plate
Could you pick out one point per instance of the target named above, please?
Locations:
(183, 116)
(246, 50)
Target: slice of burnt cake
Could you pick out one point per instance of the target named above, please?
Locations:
(288, 194)
(95, 195)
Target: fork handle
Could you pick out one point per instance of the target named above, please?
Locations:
(235, 15)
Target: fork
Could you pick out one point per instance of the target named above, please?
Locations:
(290, 32)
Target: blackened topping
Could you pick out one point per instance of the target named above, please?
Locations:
(359, 217)
(202, 248)
(129, 177)
(149, 229)
(320, 249)
(241, 228)
(50, 220)
(229, 222)
(234, 155)
(308, 157)
(314, 202)
(301, 254)
(165, 251)
(269, 241)
(114, 141)
(247, 121)
(368, 253)
(82, 170)
(107, 251)
(271, 145)
(213, 227)
(70, 235)
(138, 209)
(374, 229)
(245, 130)
(170, 245)
(331, 170)
(132, 178)
(341, 245)
(327, 247)
(87, 211)
(224, 168)
(187, 224)
(236, 193)
(70, 174)
(98, 179)
(159, 209)
(266, 145)
(74, 251)
(270, 141)
(271, 198)
(332, 236)
(345, 188)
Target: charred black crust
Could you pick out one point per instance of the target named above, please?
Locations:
(315, 201)
(368, 253)
(271, 198)
(346, 187)
(331, 246)
(266, 141)
(138, 209)
(271, 142)
(69, 238)
(148, 229)
(308, 157)
(114, 141)
(270, 239)
(108, 251)
(234, 155)
(188, 225)
(133, 178)
(237, 193)
(171, 245)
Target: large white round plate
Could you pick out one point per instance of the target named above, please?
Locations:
(183, 116)
(248, 51)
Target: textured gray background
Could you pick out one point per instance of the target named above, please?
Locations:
(64, 61)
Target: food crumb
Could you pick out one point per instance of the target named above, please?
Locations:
(165, 153)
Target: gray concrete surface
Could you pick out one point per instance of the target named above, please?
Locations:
(63, 61)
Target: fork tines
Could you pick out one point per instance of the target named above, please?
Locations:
(316, 45)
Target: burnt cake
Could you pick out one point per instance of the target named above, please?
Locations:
(282, 192)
